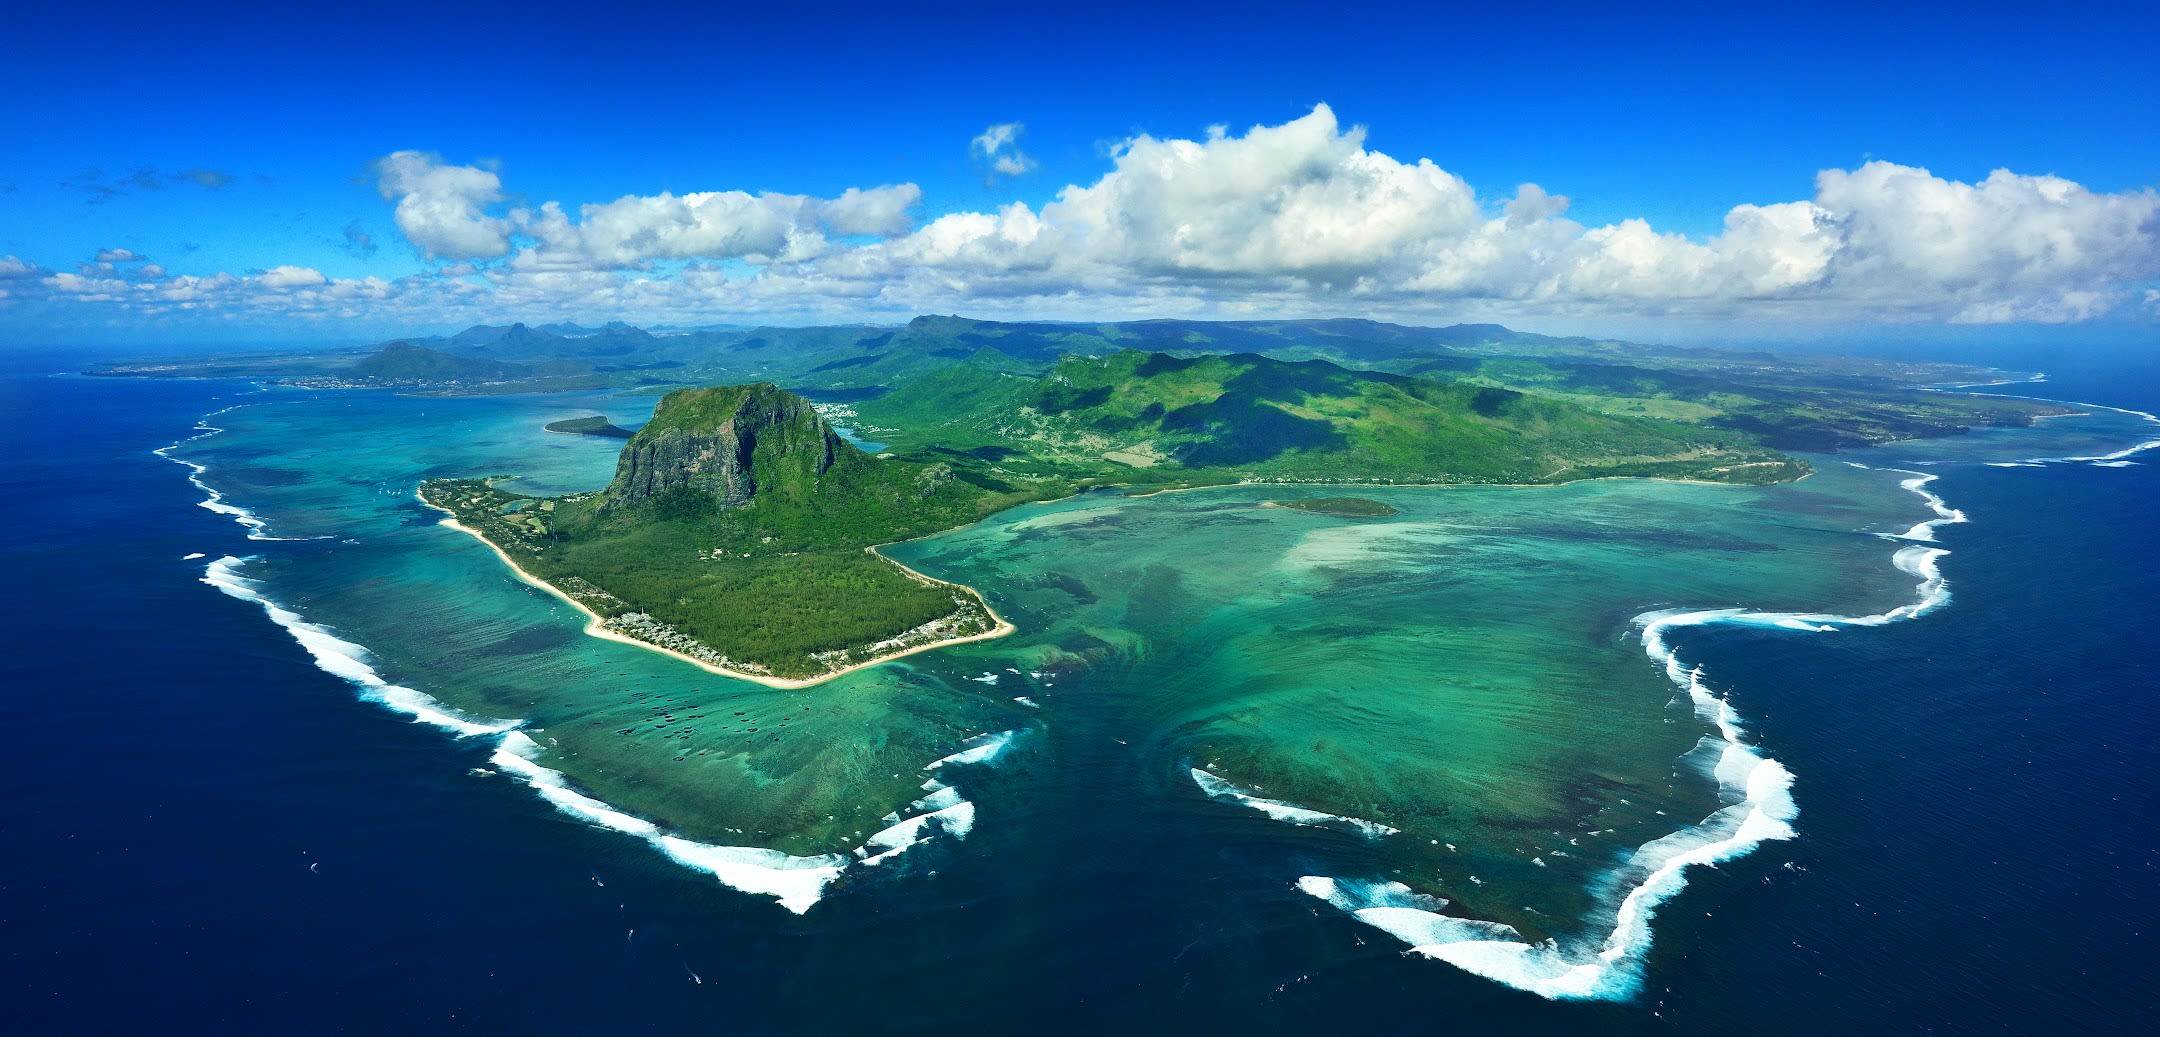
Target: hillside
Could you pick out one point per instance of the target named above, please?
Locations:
(1152, 418)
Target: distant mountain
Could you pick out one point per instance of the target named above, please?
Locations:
(566, 330)
(404, 363)
(846, 361)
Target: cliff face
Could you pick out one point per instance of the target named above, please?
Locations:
(732, 443)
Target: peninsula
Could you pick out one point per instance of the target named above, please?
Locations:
(740, 534)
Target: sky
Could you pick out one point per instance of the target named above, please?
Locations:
(1698, 173)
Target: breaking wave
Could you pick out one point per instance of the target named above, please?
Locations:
(1756, 792)
(214, 499)
(1220, 788)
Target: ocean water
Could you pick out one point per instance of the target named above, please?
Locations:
(206, 826)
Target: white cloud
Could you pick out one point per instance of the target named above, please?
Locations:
(443, 209)
(999, 146)
(86, 286)
(283, 277)
(119, 255)
(1303, 215)
(2010, 247)
(12, 267)
(878, 212)
(763, 228)
(996, 138)
(632, 229)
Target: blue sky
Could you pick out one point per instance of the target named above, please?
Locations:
(245, 149)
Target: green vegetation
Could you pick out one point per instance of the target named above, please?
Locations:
(735, 533)
(1339, 507)
(1151, 419)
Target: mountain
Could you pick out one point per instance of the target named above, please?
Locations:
(406, 363)
(728, 443)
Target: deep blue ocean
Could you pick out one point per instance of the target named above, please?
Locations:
(202, 831)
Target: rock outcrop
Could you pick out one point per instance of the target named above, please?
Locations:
(731, 443)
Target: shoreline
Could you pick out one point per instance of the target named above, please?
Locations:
(595, 623)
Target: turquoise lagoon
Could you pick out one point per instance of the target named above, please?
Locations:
(1465, 721)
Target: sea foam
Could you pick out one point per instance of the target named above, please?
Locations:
(2114, 459)
(214, 500)
(341, 658)
(796, 883)
(1218, 787)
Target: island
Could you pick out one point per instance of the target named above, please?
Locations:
(1338, 507)
(592, 425)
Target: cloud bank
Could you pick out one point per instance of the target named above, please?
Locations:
(1298, 218)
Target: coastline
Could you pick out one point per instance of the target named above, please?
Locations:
(596, 624)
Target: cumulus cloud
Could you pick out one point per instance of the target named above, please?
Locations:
(762, 228)
(999, 147)
(1288, 216)
(442, 209)
(283, 277)
(880, 212)
(12, 267)
(1296, 218)
(119, 255)
(448, 212)
(710, 224)
(2010, 247)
